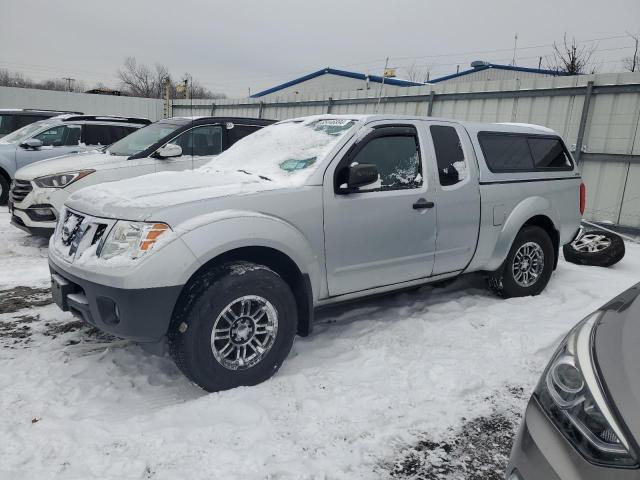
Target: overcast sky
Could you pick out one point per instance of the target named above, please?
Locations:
(233, 45)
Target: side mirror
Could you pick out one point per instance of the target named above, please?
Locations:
(360, 175)
(169, 150)
(32, 143)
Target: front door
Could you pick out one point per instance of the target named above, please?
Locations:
(384, 233)
(56, 141)
(199, 146)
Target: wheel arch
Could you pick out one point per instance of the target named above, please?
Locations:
(276, 260)
(536, 211)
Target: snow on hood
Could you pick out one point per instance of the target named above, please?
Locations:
(94, 159)
(164, 189)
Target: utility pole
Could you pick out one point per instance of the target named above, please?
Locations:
(69, 80)
(186, 88)
(386, 64)
(167, 97)
(515, 46)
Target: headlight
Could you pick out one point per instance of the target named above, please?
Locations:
(131, 239)
(61, 180)
(569, 391)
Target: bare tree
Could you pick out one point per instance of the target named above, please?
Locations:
(17, 79)
(572, 59)
(139, 80)
(197, 90)
(632, 63)
(417, 73)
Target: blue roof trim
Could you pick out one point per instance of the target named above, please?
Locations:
(340, 73)
(499, 67)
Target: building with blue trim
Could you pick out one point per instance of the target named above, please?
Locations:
(492, 71)
(330, 80)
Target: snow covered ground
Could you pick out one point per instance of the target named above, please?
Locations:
(375, 378)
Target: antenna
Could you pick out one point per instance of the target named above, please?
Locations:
(515, 46)
(386, 64)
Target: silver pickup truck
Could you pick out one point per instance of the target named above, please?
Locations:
(230, 261)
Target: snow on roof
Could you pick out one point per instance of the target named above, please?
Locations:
(398, 82)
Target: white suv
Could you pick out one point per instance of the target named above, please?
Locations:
(39, 190)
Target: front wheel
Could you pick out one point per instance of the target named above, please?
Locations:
(528, 266)
(235, 328)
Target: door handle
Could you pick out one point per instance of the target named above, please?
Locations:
(421, 204)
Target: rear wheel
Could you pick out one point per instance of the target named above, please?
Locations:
(4, 190)
(236, 328)
(528, 266)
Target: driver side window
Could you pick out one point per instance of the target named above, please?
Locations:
(397, 158)
(62, 135)
(201, 141)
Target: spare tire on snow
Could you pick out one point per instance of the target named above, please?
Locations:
(595, 247)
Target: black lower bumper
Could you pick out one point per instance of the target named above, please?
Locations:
(38, 231)
(141, 314)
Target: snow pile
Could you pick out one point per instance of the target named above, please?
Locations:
(23, 258)
(286, 152)
(374, 376)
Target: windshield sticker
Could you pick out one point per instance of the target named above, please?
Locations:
(333, 126)
(293, 165)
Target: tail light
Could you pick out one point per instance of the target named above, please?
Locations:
(583, 198)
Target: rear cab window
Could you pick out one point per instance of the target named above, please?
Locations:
(521, 152)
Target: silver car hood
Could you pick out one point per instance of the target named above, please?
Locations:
(617, 357)
(146, 197)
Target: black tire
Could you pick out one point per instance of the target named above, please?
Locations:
(205, 300)
(4, 190)
(605, 257)
(503, 281)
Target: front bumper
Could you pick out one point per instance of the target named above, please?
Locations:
(141, 314)
(541, 452)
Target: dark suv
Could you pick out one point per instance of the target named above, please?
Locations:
(13, 119)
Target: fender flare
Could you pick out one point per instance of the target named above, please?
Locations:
(210, 235)
(523, 212)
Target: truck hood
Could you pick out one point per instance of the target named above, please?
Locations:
(90, 160)
(144, 197)
(617, 355)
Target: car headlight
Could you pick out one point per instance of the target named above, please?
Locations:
(570, 392)
(131, 239)
(61, 180)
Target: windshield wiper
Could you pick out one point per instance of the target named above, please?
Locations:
(259, 176)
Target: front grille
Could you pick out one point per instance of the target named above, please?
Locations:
(76, 232)
(19, 190)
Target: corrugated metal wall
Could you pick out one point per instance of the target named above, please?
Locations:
(82, 102)
(610, 154)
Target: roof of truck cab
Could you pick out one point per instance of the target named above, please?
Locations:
(472, 126)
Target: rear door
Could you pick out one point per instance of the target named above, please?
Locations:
(381, 234)
(96, 135)
(451, 154)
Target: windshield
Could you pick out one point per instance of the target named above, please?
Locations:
(288, 151)
(24, 132)
(141, 139)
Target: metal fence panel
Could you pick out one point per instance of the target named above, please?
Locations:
(91, 104)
